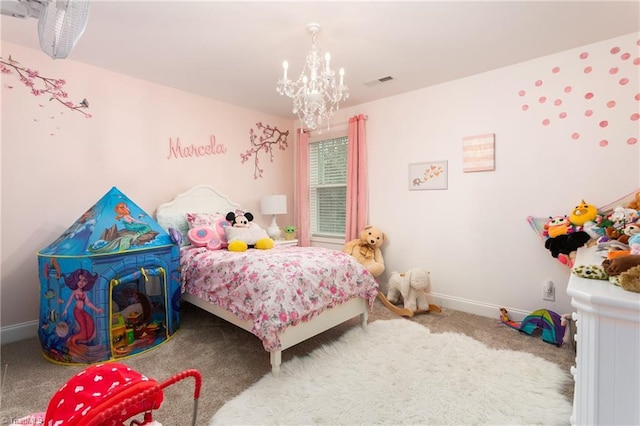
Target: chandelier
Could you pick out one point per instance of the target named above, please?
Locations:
(316, 96)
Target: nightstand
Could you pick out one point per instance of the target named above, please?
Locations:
(291, 243)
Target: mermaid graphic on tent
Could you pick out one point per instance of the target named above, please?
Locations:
(80, 282)
(134, 233)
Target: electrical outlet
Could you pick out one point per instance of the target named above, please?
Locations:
(548, 291)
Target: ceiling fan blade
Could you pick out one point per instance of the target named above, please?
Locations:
(60, 26)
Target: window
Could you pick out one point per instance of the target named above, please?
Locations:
(328, 186)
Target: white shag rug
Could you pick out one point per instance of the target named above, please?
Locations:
(398, 372)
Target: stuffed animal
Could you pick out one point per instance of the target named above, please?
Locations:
(583, 213)
(558, 225)
(566, 243)
(243, 233)
(366, 250)
(634, 244)
(289, 232)
(635, 204)
(413, 286)
(630, 279)
(620, 264)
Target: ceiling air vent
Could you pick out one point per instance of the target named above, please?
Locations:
(378, 81)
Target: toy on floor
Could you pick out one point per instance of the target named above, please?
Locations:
(366, 249)
(548, 322)
(410, 288)
(110, 394)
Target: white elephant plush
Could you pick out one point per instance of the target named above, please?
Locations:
(413, 286)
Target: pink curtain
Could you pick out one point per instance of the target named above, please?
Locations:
(302, 190)
(357, 207)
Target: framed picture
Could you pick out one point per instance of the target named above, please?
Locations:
(429, 175)
(478, 153)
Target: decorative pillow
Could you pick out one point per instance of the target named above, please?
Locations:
(249, 235)
(215, 221)
(203, 236)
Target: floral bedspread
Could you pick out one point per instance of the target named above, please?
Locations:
(276, 288)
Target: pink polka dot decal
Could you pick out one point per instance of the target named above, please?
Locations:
(591, 97)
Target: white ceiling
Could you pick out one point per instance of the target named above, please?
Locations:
(233, 51)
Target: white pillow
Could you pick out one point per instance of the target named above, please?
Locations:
(250, 235)
(177, 221)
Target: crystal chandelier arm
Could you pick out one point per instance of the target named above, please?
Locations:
(315, 96)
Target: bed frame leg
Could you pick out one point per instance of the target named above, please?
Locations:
(276, 360)
(364, 317)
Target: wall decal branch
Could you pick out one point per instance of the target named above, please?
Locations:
(40, 85)
(271, 137)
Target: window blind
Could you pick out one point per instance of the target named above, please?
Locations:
(328, 186)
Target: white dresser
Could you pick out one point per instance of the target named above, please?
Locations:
(607, 371)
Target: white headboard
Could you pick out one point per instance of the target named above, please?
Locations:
(199, 199)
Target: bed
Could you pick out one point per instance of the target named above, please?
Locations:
(284, 295)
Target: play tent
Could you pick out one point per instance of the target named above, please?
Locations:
(109, 285)
(548, 322)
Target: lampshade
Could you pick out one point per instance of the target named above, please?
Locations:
(273, 204)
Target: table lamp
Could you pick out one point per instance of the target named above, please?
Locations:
(273, 205)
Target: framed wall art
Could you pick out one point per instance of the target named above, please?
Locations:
(428, 175)
(478, 153)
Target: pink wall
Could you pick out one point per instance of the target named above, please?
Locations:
(473, 237)
(56, 163)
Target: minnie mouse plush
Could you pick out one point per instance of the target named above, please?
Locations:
(244, 233)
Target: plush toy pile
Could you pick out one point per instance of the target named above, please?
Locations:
(614, 225)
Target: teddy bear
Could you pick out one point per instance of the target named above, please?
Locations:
(635, 203)
(413, 286)
(366, 249)
(630, 279)
(243, 233)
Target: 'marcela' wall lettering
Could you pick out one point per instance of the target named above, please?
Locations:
(177, 150)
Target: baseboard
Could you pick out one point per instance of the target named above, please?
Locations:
(474, 307)
(16, 332)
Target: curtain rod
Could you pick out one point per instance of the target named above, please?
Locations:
(337, 126)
